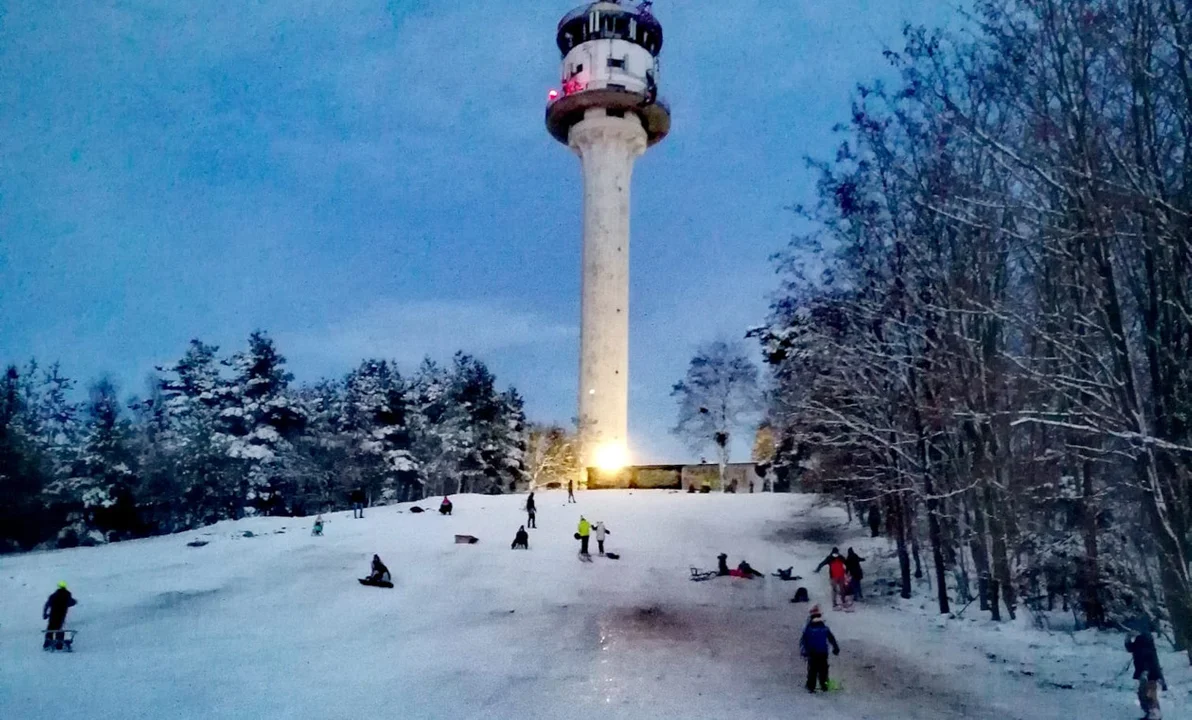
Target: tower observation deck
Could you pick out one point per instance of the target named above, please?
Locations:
(608, 112)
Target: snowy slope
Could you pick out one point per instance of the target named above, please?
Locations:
(276, 626)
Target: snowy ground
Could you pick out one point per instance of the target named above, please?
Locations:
(275, 626)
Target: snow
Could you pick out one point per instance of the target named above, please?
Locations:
(274, 625)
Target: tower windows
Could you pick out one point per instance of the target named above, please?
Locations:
(616, 63)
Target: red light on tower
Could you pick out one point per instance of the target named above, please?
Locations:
(553, 94)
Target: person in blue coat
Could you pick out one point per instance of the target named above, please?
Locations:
(814, 645)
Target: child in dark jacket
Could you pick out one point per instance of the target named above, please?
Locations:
(814, 644)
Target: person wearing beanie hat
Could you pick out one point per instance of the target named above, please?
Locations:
(814, 644)
(55, 612)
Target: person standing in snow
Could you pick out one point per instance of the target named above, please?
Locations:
(814, 647)
(357, 499)
(445, 507)
(1147, 672)
(55, 612)
(521, 539)
(601, 533)
(852, 564)
(570, 491)
(531, 512)
(317, 530)
(837, 575)
(584, 531)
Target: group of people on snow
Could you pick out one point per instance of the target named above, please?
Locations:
(844, 576)
(743, 569)
(584, 533)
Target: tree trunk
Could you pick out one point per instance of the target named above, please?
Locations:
(1094, 610)
(913, 530)
(897, 521)
(933, 533)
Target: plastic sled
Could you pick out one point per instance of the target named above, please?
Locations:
(700, 575)
(66, 644)
(375, 583)
(834, 686)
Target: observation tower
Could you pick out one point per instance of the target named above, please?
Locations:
(608, 112)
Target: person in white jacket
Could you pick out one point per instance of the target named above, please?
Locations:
(600, 531)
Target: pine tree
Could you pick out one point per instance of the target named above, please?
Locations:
(377, 419)
(257, 422)
(23, 520)
(99, 492)
(441, 436)
(193, 450)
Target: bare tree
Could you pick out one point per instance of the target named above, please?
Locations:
(551, 456)
(719, 396)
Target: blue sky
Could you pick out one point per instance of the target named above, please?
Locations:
(373, 178)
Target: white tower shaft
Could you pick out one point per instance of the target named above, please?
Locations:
(607, 147)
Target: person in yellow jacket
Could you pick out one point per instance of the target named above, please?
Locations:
(584, 532)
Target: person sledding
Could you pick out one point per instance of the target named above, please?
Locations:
(379, 576)
(745, 570)
(813, 646)
(583, 533)
(521, 539)
(317, 529)
(445, 507)
(600, 531)
(852, 564)
(1148, 673)
(837, 576)
(787, 574)
(54, 612)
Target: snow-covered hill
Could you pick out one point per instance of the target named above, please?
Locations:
(276, 626)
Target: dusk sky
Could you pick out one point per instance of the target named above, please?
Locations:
(373, 178)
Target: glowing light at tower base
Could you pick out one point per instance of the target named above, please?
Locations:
(611, 457)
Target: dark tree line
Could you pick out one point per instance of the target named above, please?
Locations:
(219, 438)
(994, 351)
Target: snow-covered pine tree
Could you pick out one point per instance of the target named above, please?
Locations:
(480, 451)
(257, 421)
(192, 446)
(322, 449)
(513, 441)
(58, 418)
(377, 421)
(441, 435)
(99, 492)
(23, 520)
